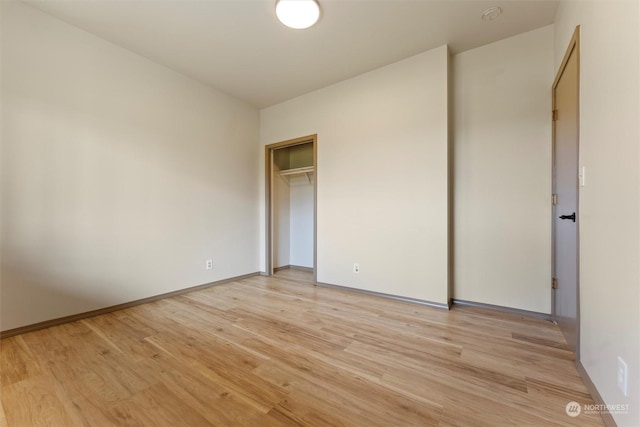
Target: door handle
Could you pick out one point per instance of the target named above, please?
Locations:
(572, 217)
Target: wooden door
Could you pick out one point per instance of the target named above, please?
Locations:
(565, 183)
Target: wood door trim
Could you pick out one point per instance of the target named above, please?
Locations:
(572, 48)
(574, 44)
(292, 142)
(268, 158)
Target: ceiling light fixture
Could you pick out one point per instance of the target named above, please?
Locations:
(491, 13)
(298, 14)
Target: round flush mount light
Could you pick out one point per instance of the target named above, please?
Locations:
(491, 13)
(298, 14)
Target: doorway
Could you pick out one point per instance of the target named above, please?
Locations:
(290, 206)
(566, 117)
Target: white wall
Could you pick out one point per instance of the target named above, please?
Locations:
(281, 219)
(610, 200)
(119, 176)
(301, 218)
(382, 175)
(502, 172)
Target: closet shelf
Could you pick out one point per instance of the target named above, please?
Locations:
(307, 170)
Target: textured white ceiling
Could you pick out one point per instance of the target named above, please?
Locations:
(239, 47)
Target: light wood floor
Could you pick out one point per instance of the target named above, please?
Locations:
(278, 352)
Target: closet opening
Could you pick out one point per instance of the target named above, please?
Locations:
(291, 197)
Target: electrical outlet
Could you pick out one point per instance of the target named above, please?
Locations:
(622, 377)
(209, 264)
(356, 268)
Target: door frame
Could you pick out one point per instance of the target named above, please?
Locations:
(268, 169)
(572, 48)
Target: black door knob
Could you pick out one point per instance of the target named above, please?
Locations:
(572, 217)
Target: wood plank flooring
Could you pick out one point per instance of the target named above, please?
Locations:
(278, 351)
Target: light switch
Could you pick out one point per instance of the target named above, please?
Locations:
(581, 176)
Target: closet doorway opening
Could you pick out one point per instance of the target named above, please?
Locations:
(291, 197)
